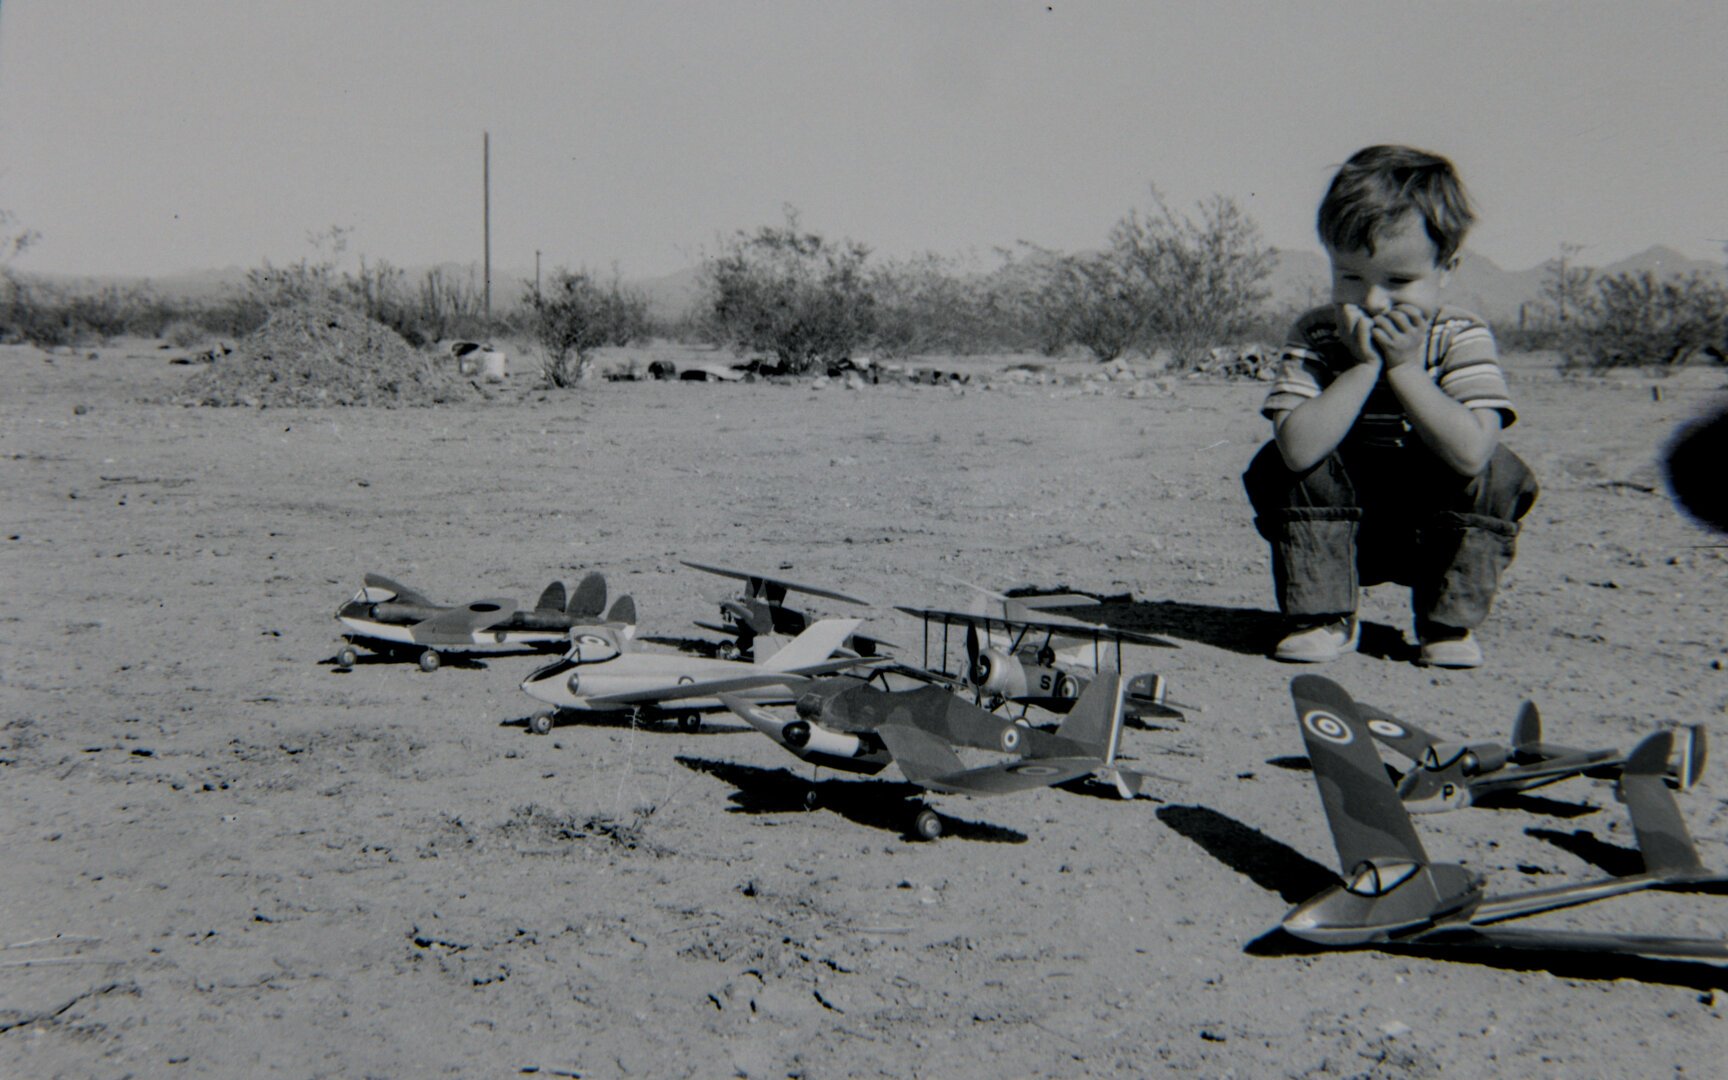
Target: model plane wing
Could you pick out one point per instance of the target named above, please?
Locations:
(457, 625)
(762, 584)
(1009, 777)
(714, 687)
(404, 594)
(1368, 820)
(1628, 944)
(1410, 740)
(1043, 623)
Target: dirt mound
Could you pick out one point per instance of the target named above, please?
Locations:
(324, 354)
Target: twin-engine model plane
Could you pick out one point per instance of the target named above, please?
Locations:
(1393, 894)
(852, 726)
(598, 676)
(388, 617)
(1031, 657)
(1449, 774)
(762, 610)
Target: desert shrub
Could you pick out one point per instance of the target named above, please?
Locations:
(577, 315)
(790, 293)
(933, 304)
(1640, 318)
(48, 314)
(1165, 280)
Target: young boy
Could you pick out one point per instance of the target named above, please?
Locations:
(1385, 462)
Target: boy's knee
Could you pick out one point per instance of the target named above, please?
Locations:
(1273, 486)
(1506, 489)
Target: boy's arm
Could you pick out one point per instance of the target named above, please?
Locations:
(1309, 432)
(1462, 437)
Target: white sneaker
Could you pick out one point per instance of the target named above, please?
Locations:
(1321, 643)
(1451, 652)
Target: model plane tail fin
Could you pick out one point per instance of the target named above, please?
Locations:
(589, 599)
(623, 611)
(552, 600)
(1095, 721)
(1663, 838)
(816, 644)
(1527, 728)
(1692, 752)
(1367, 818)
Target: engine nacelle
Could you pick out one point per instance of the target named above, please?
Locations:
(1471, 759)
(807, 738)
(996, 672)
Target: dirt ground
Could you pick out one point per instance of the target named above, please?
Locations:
(225, 857)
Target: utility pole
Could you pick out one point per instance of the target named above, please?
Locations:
(486, 212)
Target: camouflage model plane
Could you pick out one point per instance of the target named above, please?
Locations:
(598, 675)
(1393, 894)
(762, 610)
(1449, 774)
(388, 617)
(1032, 657)
(851, 726)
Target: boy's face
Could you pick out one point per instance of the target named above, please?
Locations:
(1401, 270)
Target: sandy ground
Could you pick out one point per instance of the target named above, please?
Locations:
(224, 857)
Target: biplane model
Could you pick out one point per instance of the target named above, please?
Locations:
(388, 617)
(761, 610)
(598, 674)
(1032, 657)
(1393, 894)
(850, 725)
(1449, 774)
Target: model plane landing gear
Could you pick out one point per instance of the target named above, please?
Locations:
(346, 657)
(540, 723)
(690, 721)
(429, 660)
(812, 797)
(927, 825)
(728, 650)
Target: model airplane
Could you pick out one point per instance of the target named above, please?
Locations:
(762, 610)
(1392, 893)
(849, 725)
(1031, 657)
(598, 675)
(1449, 775)
(387, 617)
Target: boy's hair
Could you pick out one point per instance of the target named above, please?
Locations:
(1380, 184)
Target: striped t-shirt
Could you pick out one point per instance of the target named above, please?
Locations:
(1460, 356)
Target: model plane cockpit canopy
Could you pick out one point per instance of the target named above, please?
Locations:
(1473, 758)
(1377, 877)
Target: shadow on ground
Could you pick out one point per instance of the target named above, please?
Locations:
(888, 805)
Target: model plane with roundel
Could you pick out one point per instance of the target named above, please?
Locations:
(390, 618)
(761, 611)
(1393, 894)
(1449, 774)
(598, 676)
(851, 725)
(1030, 657)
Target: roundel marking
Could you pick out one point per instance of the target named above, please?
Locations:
(1387, 728)
(1328, 727)
(1034, 770)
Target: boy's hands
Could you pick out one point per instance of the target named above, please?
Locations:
(1394, 339)
(1358, 335)
(1401, 335)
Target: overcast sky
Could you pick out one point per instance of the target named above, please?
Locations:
(184, 134)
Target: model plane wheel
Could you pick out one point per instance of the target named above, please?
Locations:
(540, 723)
(728, 650)
(347, 657)
(812, 798)
(690, 721)
(928, 825)
(429, 660)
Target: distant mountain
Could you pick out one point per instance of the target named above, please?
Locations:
(1300, 279)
